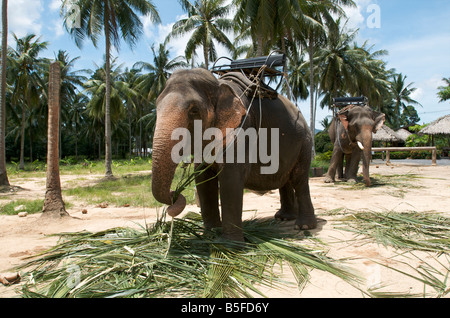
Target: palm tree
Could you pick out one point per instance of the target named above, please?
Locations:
(27, 80)
(111, 16)
(297, 74)
(151, 84)
(372, 74)
(120, 91)
(53, 203)
(322, 12)
(401, 94)
(444, 91)
(3, 173)
(206, 19)
(70, 81)
(76, 116)
(266, 22)
(337, 60)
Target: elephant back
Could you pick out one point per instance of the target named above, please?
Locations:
(251, 88)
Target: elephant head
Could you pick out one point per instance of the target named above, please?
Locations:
(359, 123)
(189, 95)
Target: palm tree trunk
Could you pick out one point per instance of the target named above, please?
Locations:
(53, 203)
(108, 151)
(259, 48)
(22, 139)
(3, 174)
(129, 133)
(205, 53)
(311, 92)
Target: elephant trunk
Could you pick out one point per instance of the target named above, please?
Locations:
(163, 168)
(366, 148)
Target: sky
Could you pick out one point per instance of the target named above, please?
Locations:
(415, 33)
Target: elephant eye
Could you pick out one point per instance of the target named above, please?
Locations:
(194, 112)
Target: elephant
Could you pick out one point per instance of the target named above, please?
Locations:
(193, 96)
(351, 132)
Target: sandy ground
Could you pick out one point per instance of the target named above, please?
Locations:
(25, 236)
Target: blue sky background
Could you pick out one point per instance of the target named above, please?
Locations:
(416, 34)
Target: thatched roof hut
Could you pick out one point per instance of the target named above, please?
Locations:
(440, 126)
(403, 134)
(385, 134)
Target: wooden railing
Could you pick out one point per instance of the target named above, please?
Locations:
(389, 149)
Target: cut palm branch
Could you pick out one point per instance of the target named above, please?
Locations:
(426, 231)
(174, 259)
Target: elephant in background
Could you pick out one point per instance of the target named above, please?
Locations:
(351, 133)
(193, 95)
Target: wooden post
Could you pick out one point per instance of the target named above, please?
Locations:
(388, 157)
(433, 157)
(53, 203)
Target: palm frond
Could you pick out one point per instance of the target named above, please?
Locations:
(174, 258)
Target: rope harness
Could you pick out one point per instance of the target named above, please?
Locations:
(338, 122)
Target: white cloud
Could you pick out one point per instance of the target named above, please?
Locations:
(417, 94)
(24, 16)
(57, 27)
(55, 5)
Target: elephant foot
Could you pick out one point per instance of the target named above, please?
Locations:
(285, 215)
(306, 223)
(352, 180)
(328, 179)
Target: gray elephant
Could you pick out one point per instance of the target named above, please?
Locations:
(196, 96)
(351, 132)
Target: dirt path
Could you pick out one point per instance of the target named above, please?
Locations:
(423, 189)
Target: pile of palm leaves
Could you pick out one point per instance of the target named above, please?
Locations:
(175, 259)
(425, 231)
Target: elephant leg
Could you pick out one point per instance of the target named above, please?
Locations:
(288, 210)
(353, 165)
(306, 219)
(231, 180)
(340, 168)
(208, 193)
(348, 158)
(337, 155)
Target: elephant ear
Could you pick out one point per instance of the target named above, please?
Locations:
(229, 109)
(379, 119)
(343, 115)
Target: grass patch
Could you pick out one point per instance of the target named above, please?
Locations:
(175, 259)
(128, 189)
(22, 205)
(38, 168)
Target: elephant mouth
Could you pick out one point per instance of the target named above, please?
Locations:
(178, 206)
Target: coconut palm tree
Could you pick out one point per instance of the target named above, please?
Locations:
(323, 13)
(70, 81)
(118, 19)
(444, 91)
(401, 93)
(151, 84)
(26, 72)
(53, 203)
(76, 117)
(3, 174)
(206, 18)
(96, 88)
(266, 22)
